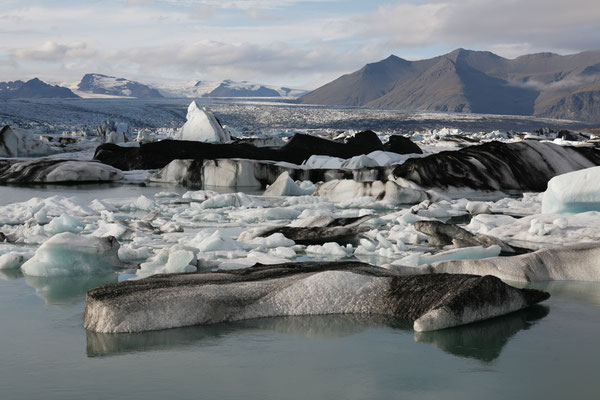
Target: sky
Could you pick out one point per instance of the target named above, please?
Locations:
(296, 43)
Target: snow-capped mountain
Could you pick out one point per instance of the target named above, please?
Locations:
(227, 88)
(33, 89)
(98, 84)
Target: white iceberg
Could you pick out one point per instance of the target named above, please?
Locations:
(71, 254)
(285, 186)
(202, 126)
(573, 192)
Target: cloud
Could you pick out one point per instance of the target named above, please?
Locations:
(276, 41)
(547, 24)
(52, 52)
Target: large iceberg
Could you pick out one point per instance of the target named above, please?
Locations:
(71, 254)
(52, 170)
(431, 302)
(578, 262)
(202, 126)
(345, 189)
(574, 192)
(21, 143)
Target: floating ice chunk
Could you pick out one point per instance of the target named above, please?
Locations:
(14, 259)
(342, 190)
(465, 253)
(285, 186)
(573, 192)
(213, 242)
(161, 195)
(232, 200)
(561, 223)
(283, 252)
(202, 126)
(42, 170)
(483, 223)
(361, 161)
(199, 195)
(106, 229)
(478, 207)
(128, 253)
(251, 259)
(323, 162)
(265, 214)
(115, 137)
(64, 223)
(168, 262)
(308, 186)
(435, 301)
(41, 217)
(15, 142)
(307, 219)
(70, 254)
(576, 262)
(384, 158)
(272, 241)
(329, 250)
(9, 142)
(143, 203)
(539, 228)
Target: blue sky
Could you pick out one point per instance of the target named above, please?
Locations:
(289, 42)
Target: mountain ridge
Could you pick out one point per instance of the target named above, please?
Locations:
(34, 89)
(540, 84)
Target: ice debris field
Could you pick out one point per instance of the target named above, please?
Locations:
(360, 208)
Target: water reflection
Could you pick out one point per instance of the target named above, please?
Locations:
(10, 274)
(307, 326)
(588, 292)
(67, 289)
(483, 340)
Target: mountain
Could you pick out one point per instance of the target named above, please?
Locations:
(228, 88)
(109, 85)
(33, 89)
(543, 84)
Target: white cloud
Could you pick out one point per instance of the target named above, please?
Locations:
(52, 52)
(266, 40)
(505, 25)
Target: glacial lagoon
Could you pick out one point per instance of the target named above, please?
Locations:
(547, 351)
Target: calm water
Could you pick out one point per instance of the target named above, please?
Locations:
(550, 351)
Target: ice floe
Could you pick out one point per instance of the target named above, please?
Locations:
(71, 254)
(432, 302)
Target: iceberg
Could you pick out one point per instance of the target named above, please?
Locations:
(574, 192)
(341, 190)
(431, 302)
(285, 186)
(578, 262)
(202, 126)
(71, 254)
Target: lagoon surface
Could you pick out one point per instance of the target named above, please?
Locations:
(549, 351)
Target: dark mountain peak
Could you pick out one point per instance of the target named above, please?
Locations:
(110, 85)
(34, 89)
(474, 81)
(538, 56)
